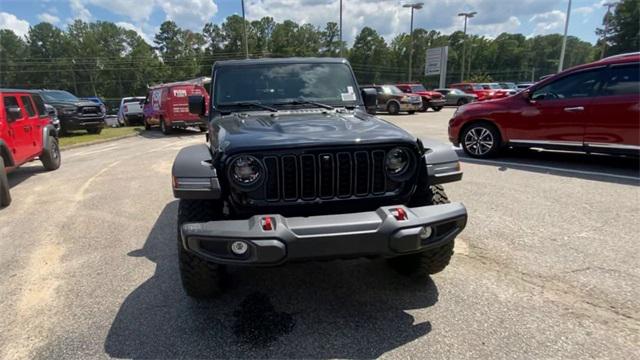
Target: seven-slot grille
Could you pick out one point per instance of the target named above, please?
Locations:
(326, 175)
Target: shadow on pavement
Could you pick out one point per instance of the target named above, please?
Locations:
(24, 172)
(155, 133)
(598, 167)
(344, 309)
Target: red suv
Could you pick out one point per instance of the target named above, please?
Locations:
(593, 108)
(476, 89)
(26, 133)
(167, 105)
(430, 99)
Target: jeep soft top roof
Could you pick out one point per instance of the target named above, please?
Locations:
(292, 60)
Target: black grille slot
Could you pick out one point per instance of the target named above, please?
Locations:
(271, 184)
(362, 173)
(308, 169)
(378, 176)
(325, 162)
(344, 174)
(289, 178)
(327, 175)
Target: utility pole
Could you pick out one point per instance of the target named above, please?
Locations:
(244, 30)
(607, 15)
(466, 15)
(564, 39)
(414, 6)
(341, 29)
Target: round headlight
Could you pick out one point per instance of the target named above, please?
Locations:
(246, 170)
(397, 161)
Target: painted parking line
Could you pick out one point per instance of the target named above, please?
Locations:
(551, 168)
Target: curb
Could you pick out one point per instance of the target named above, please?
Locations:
(101, 141)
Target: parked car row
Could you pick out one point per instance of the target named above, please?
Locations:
(592, 108)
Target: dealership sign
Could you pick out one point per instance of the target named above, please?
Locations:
(436, 63)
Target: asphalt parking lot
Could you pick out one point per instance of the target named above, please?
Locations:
(547, 267)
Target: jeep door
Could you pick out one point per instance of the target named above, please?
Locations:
(32, 123)
(20, 138)
(614, 120)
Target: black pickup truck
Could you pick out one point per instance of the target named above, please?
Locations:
(295, 169)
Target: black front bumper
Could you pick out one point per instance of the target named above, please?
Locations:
(373, 233)
(78, 122)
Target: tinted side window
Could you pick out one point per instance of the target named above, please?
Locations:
(578, 85)
(8, 102)
(26, 102)
(622, 80)
(39, 105)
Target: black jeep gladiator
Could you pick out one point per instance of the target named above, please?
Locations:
(295, 169)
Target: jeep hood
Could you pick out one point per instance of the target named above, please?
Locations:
(304, 128)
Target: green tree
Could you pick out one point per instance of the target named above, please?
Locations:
(369, 56)
(12, 53)
(623, 34)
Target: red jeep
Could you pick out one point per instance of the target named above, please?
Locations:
(430, 99)
(167, 105)
(593, 108)
(476, 89)
(26, 133)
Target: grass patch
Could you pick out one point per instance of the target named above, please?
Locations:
(81, 137)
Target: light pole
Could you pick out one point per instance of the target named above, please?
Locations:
(606, 27)
(413, 6)
(466, 15)
(340, 27)
(564, 39)
(244, 31)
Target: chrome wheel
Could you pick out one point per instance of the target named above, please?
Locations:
(479, 141)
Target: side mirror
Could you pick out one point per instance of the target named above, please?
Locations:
(196, 104)
(13, 113)
(370, 98)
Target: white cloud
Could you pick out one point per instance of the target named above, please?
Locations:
(548, 22)
(79, 11)
(139, 29)
(46, 17)
(11, 22)
(191, 14)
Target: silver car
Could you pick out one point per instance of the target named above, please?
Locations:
(457, 97)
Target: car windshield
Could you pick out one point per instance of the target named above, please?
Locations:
(417, 88)
(390, 89)
(59, 95)
(270, 84)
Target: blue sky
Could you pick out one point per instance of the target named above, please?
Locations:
(529, 17)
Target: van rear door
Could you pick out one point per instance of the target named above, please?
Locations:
(180, 101)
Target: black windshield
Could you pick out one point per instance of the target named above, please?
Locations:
(58, 95)
(330, 84)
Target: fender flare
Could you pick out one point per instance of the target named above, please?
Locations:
(392, 101)
(5, 152)
(193, 174)
(47, 132)
(441, 162)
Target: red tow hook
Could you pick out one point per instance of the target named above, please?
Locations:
(267, 223)
(399, 214)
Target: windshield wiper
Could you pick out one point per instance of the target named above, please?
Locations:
(306, 102)
(251, 103)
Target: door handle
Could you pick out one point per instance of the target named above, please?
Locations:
(574, 109)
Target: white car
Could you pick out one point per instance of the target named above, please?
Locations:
(130, 111)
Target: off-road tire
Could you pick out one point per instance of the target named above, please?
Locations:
(164, 128)
(424, 107)
(437, 108)
(50, 157)
(5, 195)
(393, 108)
(431, 261)
(200, 279)
(94, 131)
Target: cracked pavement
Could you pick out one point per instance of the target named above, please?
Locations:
(546, 268)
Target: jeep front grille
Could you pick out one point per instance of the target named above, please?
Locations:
(326, 175)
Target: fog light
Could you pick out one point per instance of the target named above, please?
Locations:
(239, 247)
(425, 232)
